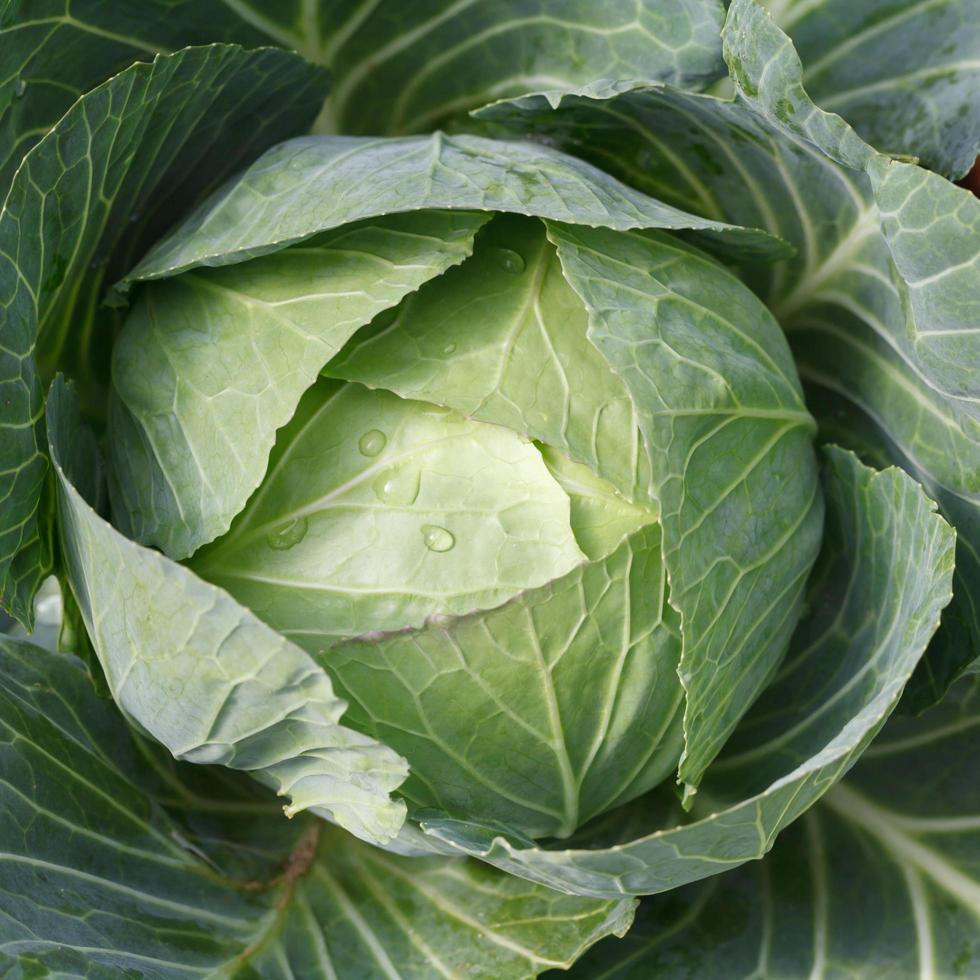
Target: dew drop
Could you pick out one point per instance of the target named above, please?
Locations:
(372, 442)
(508, 260)
(398, 487)
(449, 349)
(20, 88)
(437, 538)
(288, 535)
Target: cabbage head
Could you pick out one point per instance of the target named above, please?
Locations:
(538, 443)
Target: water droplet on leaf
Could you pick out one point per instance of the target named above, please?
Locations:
(20, 88)
(509, 260)
(398, 487)
(371, 443)
(437, 538)
(449, 349)
(288, 535)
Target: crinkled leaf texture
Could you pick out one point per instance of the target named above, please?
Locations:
(916, 379)
(50, 57)
(441, 60)
(202, 675)
(880, 303)
(682, 355)
(922, 104)
(117, 861)
(881, 583)
(404, 69)
(106, 180)
(881, 877)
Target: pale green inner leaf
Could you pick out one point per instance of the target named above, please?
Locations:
(601, 516)
(572, 699)
(378, 512)
(212, 363)
(202, 675)
(503, 338)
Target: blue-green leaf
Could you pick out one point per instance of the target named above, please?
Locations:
(880, 302)
(730, 442)
(889, 322)
(881, 583)
(115, 861)
(142, 146)
(314, 183)
(202, 675)
(880, 878)
(921, 103)
(51, 53)
(409, 68)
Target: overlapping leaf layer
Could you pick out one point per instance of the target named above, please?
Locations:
(463, 468)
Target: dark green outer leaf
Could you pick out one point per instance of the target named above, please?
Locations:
(116, 862)
(881, 313)
(155, 136)
(903, 73)
(440, 58)
(885, 574)
(406, 68)
(53, 51)
(881, 878)
(912, 363)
